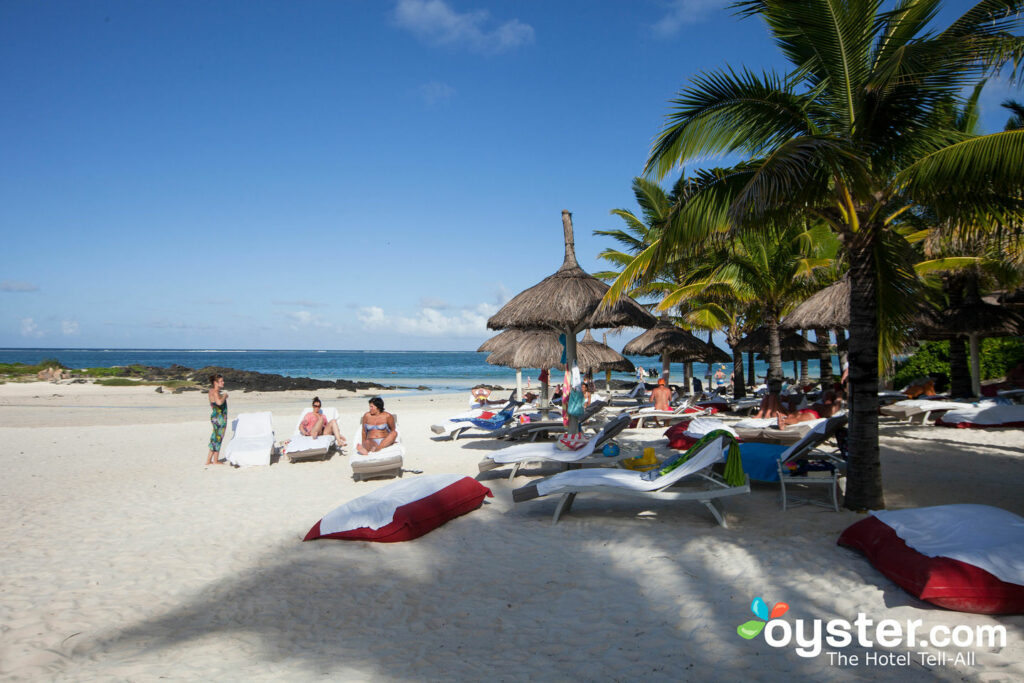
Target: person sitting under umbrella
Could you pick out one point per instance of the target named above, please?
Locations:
(662, 396)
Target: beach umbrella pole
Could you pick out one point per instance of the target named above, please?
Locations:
(975, 365)
(519, 384)
(570, 358)
(665, 366)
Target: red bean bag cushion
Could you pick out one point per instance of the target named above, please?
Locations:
(403, 510)
(955, 584)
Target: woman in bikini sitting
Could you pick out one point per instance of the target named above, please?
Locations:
(315, 424)
(378, 427)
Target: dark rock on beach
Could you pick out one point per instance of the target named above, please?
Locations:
(247, 380)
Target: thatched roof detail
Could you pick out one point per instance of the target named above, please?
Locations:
(541, 349)
(568, 300)
(605, 357)
(828, 309)
(978, 317)
(680, 345)
(717, 355)
(499, 341)
(757, 341)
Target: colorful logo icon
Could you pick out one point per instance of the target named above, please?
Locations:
(759, 607)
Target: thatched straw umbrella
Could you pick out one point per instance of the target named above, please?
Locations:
(976, 320)
(568, 302)
(500, 342)
(790, 345)
(828, 309)
(540, 349)
(669, 341)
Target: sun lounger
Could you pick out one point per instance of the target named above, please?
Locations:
(533, 430)
(984, 415)
(387, 462)
(548, 451)
(766, 430)
(919, 410)
(300, 447)
(648, 486)
(771, 462)
(252, 440)
(477, 422)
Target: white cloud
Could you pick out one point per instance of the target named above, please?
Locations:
(679, 13)
(434, 22)
(29, 328)
(434, 91)
(307, 319)
(15, 286)
(69, 327)
(431, 322)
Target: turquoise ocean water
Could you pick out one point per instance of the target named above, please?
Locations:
(439, 370)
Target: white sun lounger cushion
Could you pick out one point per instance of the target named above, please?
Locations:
(699, 426)
(252, 440)
(395, 450)
(300, 444)
(709, 455)
(985, 414)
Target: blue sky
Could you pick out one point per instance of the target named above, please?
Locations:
(336, 174)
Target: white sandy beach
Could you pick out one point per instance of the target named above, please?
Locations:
(125, 558)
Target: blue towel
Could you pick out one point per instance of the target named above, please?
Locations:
(496, 421)
(760, 460)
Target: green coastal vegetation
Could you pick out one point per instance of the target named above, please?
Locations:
(861, 163)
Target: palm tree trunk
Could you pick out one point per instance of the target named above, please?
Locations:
(774, 349)
(804, 369)
(824, 357)
(959, 378)
(739, 385)
(864, 477)
(688, 377)
(739, 382)
(842, 348)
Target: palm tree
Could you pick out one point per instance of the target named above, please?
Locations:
(767, 270)
(855, 135)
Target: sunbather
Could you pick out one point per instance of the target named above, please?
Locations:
(218, 417)
(378, 428)
(921, 387)
(662, 396)
(828, 405)
(316, 424)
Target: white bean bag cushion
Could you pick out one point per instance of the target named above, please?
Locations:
(403, 510)
(985, 414)
(968, 558)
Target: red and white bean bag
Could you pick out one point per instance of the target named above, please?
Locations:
(968, 558)
(983, 415)
(403, 510)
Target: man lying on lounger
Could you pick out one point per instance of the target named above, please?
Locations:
(828, 405)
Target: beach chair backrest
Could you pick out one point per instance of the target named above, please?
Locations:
(253, 424)
(818, 435)
(712, 452)
(612, 429)
(593, 409)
